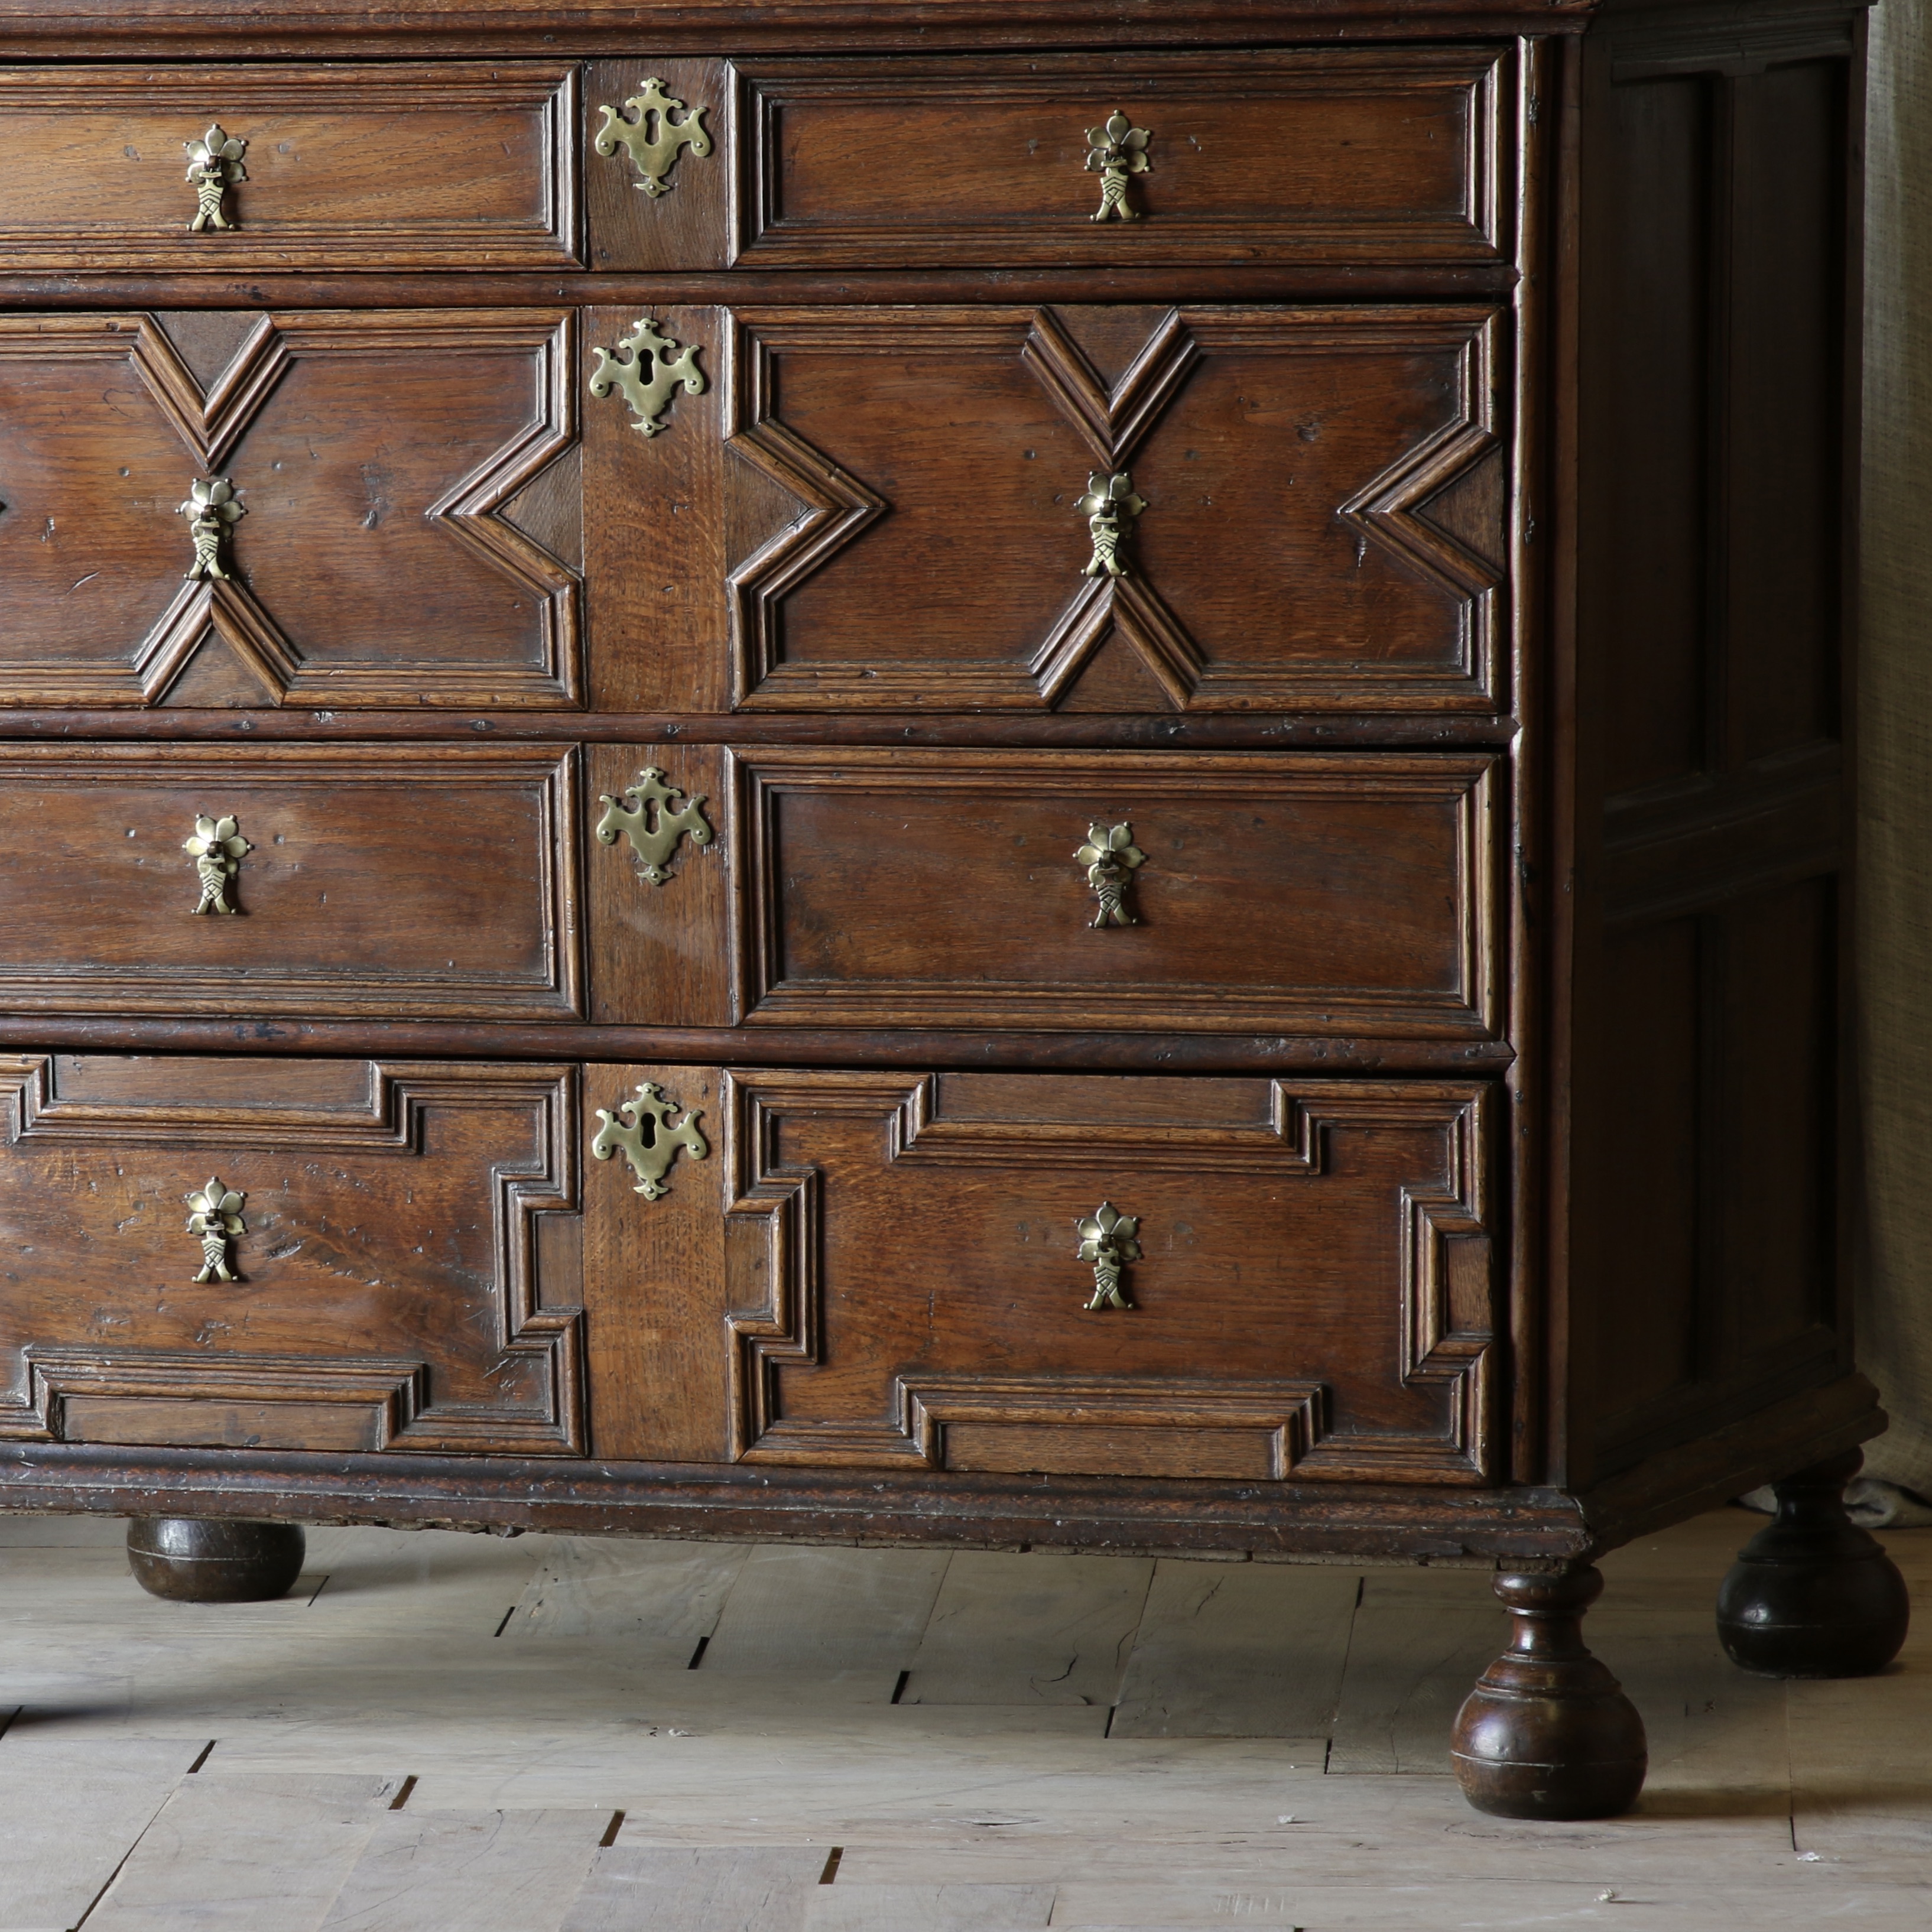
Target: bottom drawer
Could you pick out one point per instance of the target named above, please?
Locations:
(1003, 1273)
(291, 1254)
(927, 1272)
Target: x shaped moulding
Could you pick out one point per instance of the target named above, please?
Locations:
(1113, 423)
(212, 422)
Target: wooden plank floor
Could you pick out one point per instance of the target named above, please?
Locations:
(542, 1735)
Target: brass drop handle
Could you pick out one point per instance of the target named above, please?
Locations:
(214, 1218)
(217, 848)
(1112, 858)
(1110, 506)
(1116, 151)
(213, 166)
(212, 511)
(1107, 1243)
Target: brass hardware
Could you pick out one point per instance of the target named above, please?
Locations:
(647, 1139)
(214, 166)
(649, 377)
(215, 1218)
(655, 152)
(1116, 151)
(218, 850)
(1108, 498)
(213, 512)
(652, 824)
(1112, 858)
(1107, 1241)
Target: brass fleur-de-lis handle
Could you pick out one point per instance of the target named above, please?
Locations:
(1109, 506)
(212, 512)
(1112, 858)
(648, 128)
(217, 849)
(213, 166)
(1116, 151)
(1107, 1243)
(214, 1218)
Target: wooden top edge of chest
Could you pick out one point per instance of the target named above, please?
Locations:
(292, 29)
(283, 28)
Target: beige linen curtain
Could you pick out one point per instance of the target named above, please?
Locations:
(1895, 752)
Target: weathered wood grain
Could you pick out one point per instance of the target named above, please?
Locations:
(661, 1599)
(74, 1811)
(818, 1609)
(1418, 1641)
(1009, 1629)
(1239, 1650)
(468, 1871)
(240, 1853)
(725, 1888)
(929, 1908)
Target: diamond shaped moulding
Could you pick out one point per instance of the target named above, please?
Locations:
(107, 565)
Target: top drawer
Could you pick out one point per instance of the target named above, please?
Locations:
(1373, 155)
(460, 165)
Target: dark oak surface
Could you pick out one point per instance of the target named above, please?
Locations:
(407, 1207)
(344, 167)
(381, 882)
(1477, 1069)
(378, 558)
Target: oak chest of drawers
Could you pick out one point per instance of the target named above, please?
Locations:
(930, 772)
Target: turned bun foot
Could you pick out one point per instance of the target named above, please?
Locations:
(208, 1560)
(1812, 1594)
(1548, 1733)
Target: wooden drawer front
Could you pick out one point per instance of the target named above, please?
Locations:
(410, 882)
(1314, 894)
(403, 1244)
(408, 498)
(1324, 521)
(458, 166)
(898, 1278)
(1364, 155)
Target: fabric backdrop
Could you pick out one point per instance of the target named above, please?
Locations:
(1895, 724)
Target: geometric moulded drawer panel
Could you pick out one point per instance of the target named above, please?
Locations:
(373, 483)
(1316, 894)
(336, 166)
(327, 1254)
(1314, 510)
(918, 1273)
(1353, 154)
(434, 881)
